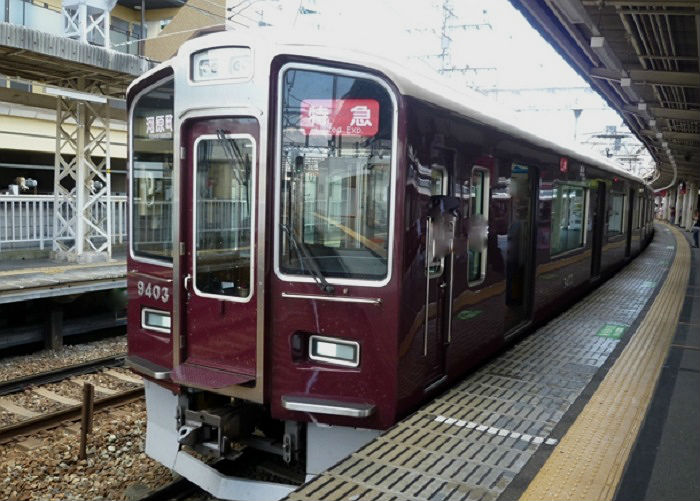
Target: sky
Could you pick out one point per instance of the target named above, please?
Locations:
(490, 47)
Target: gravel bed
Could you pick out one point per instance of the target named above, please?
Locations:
(46, 360)
(7, 418)
(33, 402)
(116, 468)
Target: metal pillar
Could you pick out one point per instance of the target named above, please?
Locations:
(678, 206)
(82, 184)
(690, 201)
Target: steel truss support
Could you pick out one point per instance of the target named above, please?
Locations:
(87, 20)
(82, 186)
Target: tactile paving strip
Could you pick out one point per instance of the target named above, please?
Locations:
(472, 441)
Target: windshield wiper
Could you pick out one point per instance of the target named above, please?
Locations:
(313, 265)
(236, 159)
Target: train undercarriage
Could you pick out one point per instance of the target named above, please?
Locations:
(234, 451)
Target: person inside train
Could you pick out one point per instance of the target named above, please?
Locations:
(696, 229)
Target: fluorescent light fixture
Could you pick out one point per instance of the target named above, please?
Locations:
(155, 320)
(597, 42)
(74, 94)
(641, 106)
(334, 351)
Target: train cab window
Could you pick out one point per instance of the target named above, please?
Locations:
(151, 173)
(478, 225)
(616, 221)
(224, 195)
(335, 174)
(568, 228)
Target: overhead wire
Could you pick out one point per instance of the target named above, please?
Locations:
(184, 3)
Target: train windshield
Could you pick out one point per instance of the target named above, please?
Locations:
(151, 173)
(336, 161)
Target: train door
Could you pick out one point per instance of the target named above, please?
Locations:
(440, 226)
(520, 252)
(219, 301)
(630, 210)
(599, 209)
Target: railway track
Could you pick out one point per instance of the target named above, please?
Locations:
(52, 376)
(64, 407)
(177, 490)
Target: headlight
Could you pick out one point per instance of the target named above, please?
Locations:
(334, 351)
(155, 320)
(222, 63)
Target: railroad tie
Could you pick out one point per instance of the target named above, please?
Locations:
(16, 409)
(56, 397)
(124, 377)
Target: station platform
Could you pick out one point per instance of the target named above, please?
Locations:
(21, 280)
(600, 403)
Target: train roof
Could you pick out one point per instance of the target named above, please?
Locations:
(409, 81)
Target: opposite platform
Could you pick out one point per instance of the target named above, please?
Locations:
(34, 279)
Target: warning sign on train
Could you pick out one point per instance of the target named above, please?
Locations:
(353, 117)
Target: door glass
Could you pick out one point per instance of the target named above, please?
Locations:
(224, 191)
(519, 240)
(617, 209)
(568, 212)
(438, 186)
(478, 234)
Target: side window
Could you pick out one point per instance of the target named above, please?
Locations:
(616, 222)
(478, 225)
(568, 214)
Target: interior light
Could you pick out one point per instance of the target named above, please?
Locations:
(222, 63)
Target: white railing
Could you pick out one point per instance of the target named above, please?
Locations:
(26, 221)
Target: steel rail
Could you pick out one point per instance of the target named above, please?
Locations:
(55, 375)
(176, 490)
(52, 419)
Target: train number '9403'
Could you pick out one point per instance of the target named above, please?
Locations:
(152, 291)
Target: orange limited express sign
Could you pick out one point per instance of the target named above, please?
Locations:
(353, 117)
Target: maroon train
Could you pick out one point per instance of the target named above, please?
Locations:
(320, 240)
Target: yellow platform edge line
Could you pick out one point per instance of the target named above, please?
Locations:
(589, 460)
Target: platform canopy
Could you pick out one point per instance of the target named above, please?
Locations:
(54, 60)
(642, 57)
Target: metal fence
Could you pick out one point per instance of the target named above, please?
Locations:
(26, 221)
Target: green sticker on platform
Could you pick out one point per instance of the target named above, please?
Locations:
(648, 283)
(612, 331)
(467, 314)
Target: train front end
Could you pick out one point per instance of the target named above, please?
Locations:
(262, 272)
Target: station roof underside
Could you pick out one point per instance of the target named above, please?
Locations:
(642, 57)
(53, 60)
